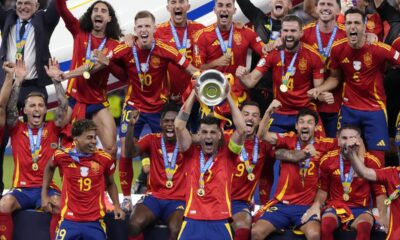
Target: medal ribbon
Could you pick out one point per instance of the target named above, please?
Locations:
(325, 51)
(394, 195)
(245, 156)
(137, 63)
(304, 165)
(76, 155)
(179, 46)
(204, 167)
(225, 48)
(20, 43)
(169, 164)
(346, 182)
(290, 69)
(89, 60)
(35, 145)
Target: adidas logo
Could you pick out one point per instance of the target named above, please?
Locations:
(336, 172)
(381, 143)
(72, 165)
(345, 60)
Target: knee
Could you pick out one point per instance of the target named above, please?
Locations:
(136, 226)
(174, 230)
(6, 205)
(257, 234)
(313, 235)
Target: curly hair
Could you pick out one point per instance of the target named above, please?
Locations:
(113, 29)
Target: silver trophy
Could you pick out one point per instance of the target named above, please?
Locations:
(212, 87)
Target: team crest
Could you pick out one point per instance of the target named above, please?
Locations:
(237, 38)
(370, 24)
(302, 65)
(261, 62)
(144, 67)
(357, 65)
(84, 171)
(124, 128)
(155, 62)
(94, 166)
(368, 59)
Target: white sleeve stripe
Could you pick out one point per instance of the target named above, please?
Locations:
(182, 61)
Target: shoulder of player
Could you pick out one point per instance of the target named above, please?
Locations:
(329, 157)
(194, 24)
(60, 153)
(396, 41)
(103, 154)
(341, 27)
(161, 44)
(121, 47)
(162, 25)
(310, 26)
(339, 43)
(311, 49)
(324, 142)
(372, 161)
(151, 136)
(381, 45)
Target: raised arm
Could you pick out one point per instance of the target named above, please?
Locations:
(183, 136)
(309, 6)
(248, 79)
(71, 23)
(131, 147)
(5, 92)
(239, 135)
(252, 12)
(264, 124)
(357, 161)
(12, 110)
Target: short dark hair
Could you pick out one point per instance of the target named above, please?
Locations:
(169, 107)
(354, 10)
(351, 127)
(82, 126)
(36, 94)
(144, 14)
(307, 111)
(210, 120)
(113, 29)
(337, 1)
(250, 103)
(293, 18)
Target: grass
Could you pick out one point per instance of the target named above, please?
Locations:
(8, 167)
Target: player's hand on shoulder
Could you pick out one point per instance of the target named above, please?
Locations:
(371, 38)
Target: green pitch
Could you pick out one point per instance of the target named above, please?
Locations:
(9, 168)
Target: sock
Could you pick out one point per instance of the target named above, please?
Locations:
(363, 231)
(125, 175)
(380, 155)
(242, 234)
(7, 226)
(328, 226)
(55, 218)
(138, 237)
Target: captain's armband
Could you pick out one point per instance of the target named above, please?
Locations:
(235, 148)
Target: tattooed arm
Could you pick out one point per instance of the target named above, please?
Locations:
(12, 110)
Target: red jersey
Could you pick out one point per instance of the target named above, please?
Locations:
(216, 203)
(208, 48)
(177, 78)
(82, 195)
(24, 175)
(94, 89)
(308, 66)
(152, 97)
(396, 44)
(374, 24)
(151, 144)
(362, 70)
(290, 188)
(360, 189)
(390, 177)
(310, 37)
(242, 187)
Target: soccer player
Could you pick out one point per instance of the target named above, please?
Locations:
(33, 143)
(180, 32)
(166, 199)
(298, 181)
(87, 171)
(146, 63)
(295, 69)
(362, 67)
(321, 35)
(255, 154)
(346, 196)
(223, 46)
(210, 165)
(97, 29)
(387, 176)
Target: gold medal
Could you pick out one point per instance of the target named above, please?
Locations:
(346, 197)
(169, 184)
(387, 201)
(35, 167)
(86, 74)
(283, 88)
(251, 176)
(18, 56)
(201, 192)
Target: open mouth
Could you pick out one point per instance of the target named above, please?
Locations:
(178, 13)
(98, 21)
(144, 36)
(353, 36)
(36, 116)
(289, 39)
(278, 7)
(169, 133)
(304, 133)
(249, 126)
(325, 13)
(224, 17)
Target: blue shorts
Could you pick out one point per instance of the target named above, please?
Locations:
(282, 216)
(373, 126)
(240, 206)
(90, 108)
(163, 208)
(30, 198)
(205, 230)
(81, 230)
(152, 119)
(329, 120)
(397, 133)
(356, 211)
